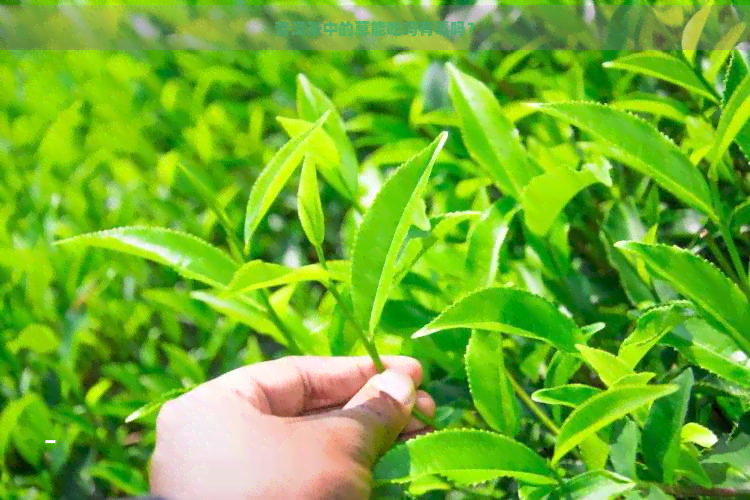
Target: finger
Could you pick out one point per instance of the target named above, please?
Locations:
(426, 405)
(290, 386)
(372, 420)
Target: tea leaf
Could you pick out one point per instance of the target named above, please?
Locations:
(320, 146)
(312, 103)
(271, 180)
(606, 365)
(482, 452)
(595, 485)
(546, 195)
(258, 274)
(710, 349)
(697, 434)
(485, 242)
(733, 122)
(488, 381)
(383, 231)
(189, 256)
(488, 135)
(567, 395)
(309, 207)
(651, 327)
(639, 145)
(603, 409)
(155, 405)
(719, 298)
(661, 434)
(510, 311)
(664, 66)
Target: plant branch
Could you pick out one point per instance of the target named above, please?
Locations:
(719, 255)
(531, 405)
(735, 256)
(369, 346)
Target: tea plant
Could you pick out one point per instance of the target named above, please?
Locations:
(610, 426)
(560, 238)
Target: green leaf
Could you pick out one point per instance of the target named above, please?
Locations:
(9, 417)
(488, 381)
(650, 328)
(642, 378)
(623, 222)
(37, 338)
(510, 311)
(594, 485)
(155, 405)
(272, 179)
(603, 409)
(572, 395)
(488, 135)
(383, 232)
(664, 66)
(733, 122)
(189, 256)
(697, 434)
(257, 274)
(244, 311)
(661, 434)
(639, 145)
(689, 466)
(485, 242)
(481, 452)
(710, 349)
(546, 195)
(624, 450)
(320, 147)
(692, 32)
(698, 280)
(309, 207)
(606, 365)
(312, 103)
(656, 105)
(121, 475)
(736, 72)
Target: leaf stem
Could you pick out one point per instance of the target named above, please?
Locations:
(735, 256)
(292, 344)
(531, 405)
(369, 346)
(720, 258)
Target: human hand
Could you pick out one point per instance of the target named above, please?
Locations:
(293, 428)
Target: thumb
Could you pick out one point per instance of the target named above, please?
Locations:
(372, 420)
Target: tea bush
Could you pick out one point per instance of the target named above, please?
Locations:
(559, 237)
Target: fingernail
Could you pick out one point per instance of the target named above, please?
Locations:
(397, 385)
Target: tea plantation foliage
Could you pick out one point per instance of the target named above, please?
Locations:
(561, 238)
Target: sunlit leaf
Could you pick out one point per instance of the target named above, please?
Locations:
(483, 452)
(309, 206)
(510, 311)
(661, 434)
(601, 410)
(274, 176)
(488, 135)
(664, 66)
(640, 146)
(191, 257)
(383, 231)
(698, 280)
(488, 381)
